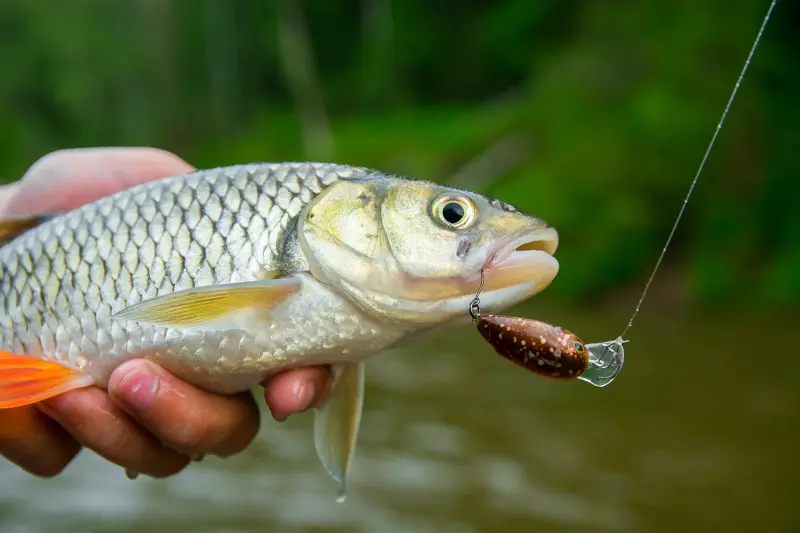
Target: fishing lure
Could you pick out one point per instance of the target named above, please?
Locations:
(542, 348)
(548, 350)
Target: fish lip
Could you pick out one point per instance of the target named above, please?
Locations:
(547, 238)
(524, 261)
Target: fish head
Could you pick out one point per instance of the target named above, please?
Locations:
(415, 251)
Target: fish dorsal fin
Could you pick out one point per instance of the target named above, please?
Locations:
(12, 228)
(212, 305)
(337, 421)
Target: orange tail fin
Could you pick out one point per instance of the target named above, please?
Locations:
(25, 380)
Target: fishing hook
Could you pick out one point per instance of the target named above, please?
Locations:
(475, 304)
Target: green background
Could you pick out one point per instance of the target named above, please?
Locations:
(593, 115)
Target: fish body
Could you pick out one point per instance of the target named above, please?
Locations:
(62, 283)
(230, 275)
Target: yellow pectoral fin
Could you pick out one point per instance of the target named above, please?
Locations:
(208, 305)
(336, 423)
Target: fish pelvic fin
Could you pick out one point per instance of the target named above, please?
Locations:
(212, 305)
(25, 380)
(337, 421)
(11, 228)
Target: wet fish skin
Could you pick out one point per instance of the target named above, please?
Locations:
(61, 283)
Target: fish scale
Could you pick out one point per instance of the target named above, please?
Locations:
(60, 283)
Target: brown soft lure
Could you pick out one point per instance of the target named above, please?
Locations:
(544, 349)
(547, 350)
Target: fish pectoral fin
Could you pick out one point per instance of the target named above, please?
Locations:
(26, 380)
(336, 422)
(12, 228)
(207, 305)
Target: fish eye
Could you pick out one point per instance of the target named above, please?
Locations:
(453, 212)
(579, 347)
(457, 212)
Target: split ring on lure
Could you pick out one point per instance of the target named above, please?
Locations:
(547, 350)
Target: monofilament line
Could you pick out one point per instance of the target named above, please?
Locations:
(700, 168)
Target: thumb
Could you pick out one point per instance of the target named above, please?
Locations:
(67, 179)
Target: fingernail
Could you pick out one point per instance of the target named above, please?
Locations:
(138, 384)
(303, 395)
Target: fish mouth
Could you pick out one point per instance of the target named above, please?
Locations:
(517, 269)
(524, 259)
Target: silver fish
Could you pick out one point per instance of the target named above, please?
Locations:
(228, 276)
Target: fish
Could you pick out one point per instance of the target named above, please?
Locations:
(537, 346)
(228, 276)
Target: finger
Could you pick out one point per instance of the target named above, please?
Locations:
(7, 192)
(182, 416)
(67, 179)
(296, 390)
(35, 442)
(91, 418)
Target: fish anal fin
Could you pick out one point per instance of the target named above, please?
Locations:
(202, 306)
(25, 380)
(337, 421)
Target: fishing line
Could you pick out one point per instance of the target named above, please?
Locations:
(700, 169)
(605, 359)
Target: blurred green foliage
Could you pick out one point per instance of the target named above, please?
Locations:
(591, 114)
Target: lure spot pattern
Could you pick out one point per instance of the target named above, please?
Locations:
(546, 350)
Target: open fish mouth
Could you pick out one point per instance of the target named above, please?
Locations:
(525, 259)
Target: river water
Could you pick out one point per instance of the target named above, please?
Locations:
(699, 433)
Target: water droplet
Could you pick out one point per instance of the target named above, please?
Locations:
(605, 362)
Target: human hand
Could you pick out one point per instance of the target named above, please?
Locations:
(148, 421)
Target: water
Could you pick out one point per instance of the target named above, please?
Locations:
(698, 433)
